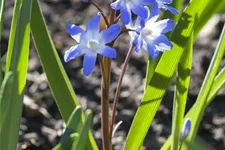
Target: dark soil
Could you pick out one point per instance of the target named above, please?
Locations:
(41, 124)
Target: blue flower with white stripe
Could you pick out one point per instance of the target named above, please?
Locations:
(91, 43)
(149, 34)
(128, 6)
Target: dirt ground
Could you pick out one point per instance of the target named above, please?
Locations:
(41, 124)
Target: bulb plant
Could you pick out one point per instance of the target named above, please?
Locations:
(157, 28)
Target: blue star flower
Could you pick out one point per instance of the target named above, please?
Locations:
(136, 6)
(149, 34)
(163, 5)
(91, 43)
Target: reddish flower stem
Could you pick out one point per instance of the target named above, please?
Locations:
(116, 97)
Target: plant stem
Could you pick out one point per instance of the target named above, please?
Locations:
(100, 10)
(118, 88)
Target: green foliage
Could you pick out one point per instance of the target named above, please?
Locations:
(76, 133)
(180, 93)
(57, 78)
(17, 62)
(191, 17)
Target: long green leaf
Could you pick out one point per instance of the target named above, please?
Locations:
(201, 101)
(2, 6)
(66, 145)
(82, 141)
(180, 93)
(57, 78)
(218, 83)
(164, 73)
(5, 98)
(72, 126)
(17, 63)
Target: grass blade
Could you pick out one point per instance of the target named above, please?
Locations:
(66, 145)
(180, 93)
(81, 142)
(218, 83)
(2, 6)
(57, 78)
(73, 126)
(201, 101)
(164, 73)
(17, 63)
(5, 98)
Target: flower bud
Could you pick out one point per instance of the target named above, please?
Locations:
(186, 129)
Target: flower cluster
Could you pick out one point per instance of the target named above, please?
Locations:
(146, 32)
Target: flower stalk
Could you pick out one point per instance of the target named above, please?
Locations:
(116, 97)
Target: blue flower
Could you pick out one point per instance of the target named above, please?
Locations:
(186, 129)
(91, 43)
(163, 5)
(136, 6)
(149, 34)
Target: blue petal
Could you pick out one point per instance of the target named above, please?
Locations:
(152, 51)
(125, 15)
(163, 26)
(107, 51)
(108, 35)
(73, 53)
(139, 10)
(94, 23)
(139, 44)
(155, 10)
(162, 43)
(89, 63)
(116, 5)
(74, 31)
(146, 2)
(171, 9)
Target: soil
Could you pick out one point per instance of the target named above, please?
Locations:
(41, 123)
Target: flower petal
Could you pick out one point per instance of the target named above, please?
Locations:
(89, 63)
(74, 31)
(73, 53)
(139, 10)
(116, 5)
(151, 49)
(125, 15)
(163, 26)
(155, 11)
(146, 2)
(108, 35)
(171, 9)
(162, 43)
(107, 51)
(94, 23)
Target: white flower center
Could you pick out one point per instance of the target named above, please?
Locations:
(93, 45)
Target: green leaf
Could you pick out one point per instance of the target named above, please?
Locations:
(73, 123)
(180, 93)
(5, 98)
(164, 72)
(2, 6)
(218, 83)
(82, 141)
(57, 78)
(17, 62)
(201, 101)
(72, 126)
(66, 145)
